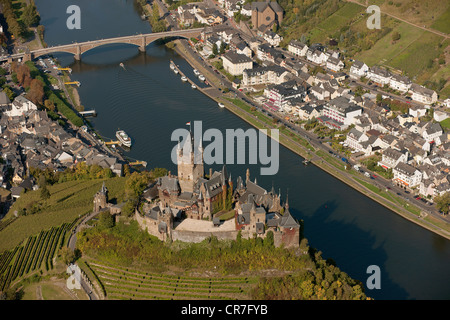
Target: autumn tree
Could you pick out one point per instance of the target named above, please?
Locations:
(49, 105)
(23, 76)
(36, 93)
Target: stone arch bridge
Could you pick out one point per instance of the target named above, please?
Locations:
(140, 40)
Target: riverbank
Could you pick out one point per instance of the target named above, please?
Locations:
(422, 219)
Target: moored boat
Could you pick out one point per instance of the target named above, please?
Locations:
(193, 86)
(123, 137)
(184, 79)
(202, 77)
(221, 105)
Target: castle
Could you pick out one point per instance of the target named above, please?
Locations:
(193, 196)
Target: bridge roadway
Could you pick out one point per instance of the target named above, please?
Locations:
(77, 49)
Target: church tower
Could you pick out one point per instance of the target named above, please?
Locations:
(190, 163)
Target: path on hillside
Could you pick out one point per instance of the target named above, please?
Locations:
(442, 34)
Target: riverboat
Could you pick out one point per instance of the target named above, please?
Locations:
(123, 137)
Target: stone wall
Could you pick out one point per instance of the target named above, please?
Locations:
(195, 236)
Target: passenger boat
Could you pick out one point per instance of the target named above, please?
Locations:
(123, 138)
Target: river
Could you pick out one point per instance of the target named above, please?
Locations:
(149, 102)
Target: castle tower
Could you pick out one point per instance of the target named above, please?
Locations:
(190, 164)
(101, 198)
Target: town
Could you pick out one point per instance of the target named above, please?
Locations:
(375, 114)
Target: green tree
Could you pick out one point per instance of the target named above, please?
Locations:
(105, 220)
(30, 16)
(443, 202)
(45, 193)
(215, 51)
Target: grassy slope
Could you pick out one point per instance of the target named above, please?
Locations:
(67, 201)
(416, 46)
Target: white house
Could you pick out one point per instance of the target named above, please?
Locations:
(358, 69)
(400, 83)
(297, 48)
(422, 94)
(247, 10)
(378, 75)
(406, 176)
(440, 116)
(391, 157)
(235, 63)
(272, 38)
(316, 56)
(334, 64)
(20, 106)
(417, 111)
(432, 132)
(265, 75)
(341, 112)
(355, 138)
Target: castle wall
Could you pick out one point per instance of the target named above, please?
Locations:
(195, 236)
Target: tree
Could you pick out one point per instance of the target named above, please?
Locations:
(443, 202)
(36, 93)
(30, 16)
(396, 36)
(275, 28)
(45, 193)
(106, 220)
(222, 47)
(67, 255)
(215, 51)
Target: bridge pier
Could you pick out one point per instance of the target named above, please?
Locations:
(143, 46)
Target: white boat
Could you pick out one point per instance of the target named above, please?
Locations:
(193, 86)
(305, 162)
(221, 105)
(172, 66)
(184, 79)
(176, 71)
(196, 72)
(123, 138)
(202, 77)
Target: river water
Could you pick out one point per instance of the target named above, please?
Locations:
(149, 102)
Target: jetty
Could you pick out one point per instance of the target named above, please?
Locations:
(181, 73)
(87, 113)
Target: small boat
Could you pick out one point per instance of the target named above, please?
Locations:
(172, 66)
(202, 77)
(193, 86)
(176, 71)
(221, 105)
(196, 72)
(122, 65)
(123, 138)
(184, 79)
(305, 162)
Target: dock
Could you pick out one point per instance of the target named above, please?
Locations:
(87, 113)
(181, 73)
